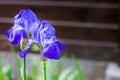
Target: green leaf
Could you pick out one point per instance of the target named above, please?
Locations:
(1, 75)
(22, 46)
(78, 67)
(35, 47)
(56, 66)
(65, 73)
(35, 70)
(17, 60)
(1, 72)
(73, 76)
(0, 62)
(7, 71)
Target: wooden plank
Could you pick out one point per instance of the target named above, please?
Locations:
(98, 1)
(90, 43)
(84, 24)
(61, 4)
(102, 15)
(117, 55)
(65, 13)
(4, 27)
(76, 33)
(91, 52)
(80, 51)
(86, 34)
(81, 42)
(71, 24)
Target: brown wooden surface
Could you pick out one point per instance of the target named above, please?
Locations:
(65, 13)
(77, 33)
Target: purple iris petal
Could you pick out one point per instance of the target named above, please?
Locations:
(15, 35)
(24, 34)
(43, 32)
(26, 14)
(24, 52)
(13, 38)
(60, 45)
(47, 33)
(36, 31)
(26, 19)
(51, 51)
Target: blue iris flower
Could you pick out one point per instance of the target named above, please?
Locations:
(22, 26)
(41, 33)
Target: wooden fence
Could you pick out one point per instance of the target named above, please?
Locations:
(89, 28)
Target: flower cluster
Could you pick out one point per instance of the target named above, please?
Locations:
(35, 31)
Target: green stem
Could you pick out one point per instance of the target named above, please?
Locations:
(24, 68)
(22, 46)
(44, 69)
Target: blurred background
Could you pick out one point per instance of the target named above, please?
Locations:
(89, 28)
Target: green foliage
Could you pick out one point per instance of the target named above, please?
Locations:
(22, 46)
(78, 68)
(1, 73)
(55, 69)
(65, 74)
(35, 69)
(0, 62)
(5, 71)
(35, 47)
(18, 62)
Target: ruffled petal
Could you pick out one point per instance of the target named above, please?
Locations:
(51, 51)
(36, 31)
(23, 53)
(24, 33)
(47, 33)
(15, 35)
(25, 18)
(60, 45)
(43, 32)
